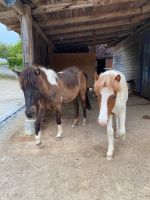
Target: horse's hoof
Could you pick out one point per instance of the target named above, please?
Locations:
(123, 136)
(59, 136)
(74, 125)
(84, 122)
(117, 136)
(38, 142)
(109, 157)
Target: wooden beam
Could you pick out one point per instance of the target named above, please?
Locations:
(35, 24)
(7, 14)
(89, 42)
(95, 37)
(62, 37)
(89, 27)
(94, 41)
(92, 18)
(27, 37)
(18, 7)
(57, 7)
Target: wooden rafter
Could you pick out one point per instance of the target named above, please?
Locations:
(89, 42)
(7, 14)
(18, 7)
(97, 37)
(99, 26)
(57, 7)
(92, 18)
(89, 33)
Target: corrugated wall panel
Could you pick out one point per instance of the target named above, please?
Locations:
(126, 58)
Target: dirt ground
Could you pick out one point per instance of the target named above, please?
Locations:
(75, 168)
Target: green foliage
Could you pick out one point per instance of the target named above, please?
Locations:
(14, 61)
(4, 51)
(12, 53)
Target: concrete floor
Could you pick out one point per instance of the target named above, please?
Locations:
(75, 168)
(11, 97)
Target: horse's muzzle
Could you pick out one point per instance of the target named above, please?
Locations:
(30, 113)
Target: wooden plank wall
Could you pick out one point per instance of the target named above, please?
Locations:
(126, 58)
(108, 63)
(85, 61)
(40, 48)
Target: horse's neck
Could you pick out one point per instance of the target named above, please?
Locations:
(122, 96)
(48, 91)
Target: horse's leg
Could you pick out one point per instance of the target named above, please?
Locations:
(38, 126)
(122, 119)
(59, 123)
(37, 109)
(76, 109)
(110, 134)
(117, 126)
(83, 103)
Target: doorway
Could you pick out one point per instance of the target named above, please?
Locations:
(100, 65)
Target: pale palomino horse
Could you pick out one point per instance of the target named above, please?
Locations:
(112, 92)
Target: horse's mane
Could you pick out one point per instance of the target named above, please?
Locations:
(29, 78)
(106, 80)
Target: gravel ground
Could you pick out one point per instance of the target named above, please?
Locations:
(75, 168)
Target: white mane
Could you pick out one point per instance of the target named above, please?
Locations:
(51, 76)
(123, 94)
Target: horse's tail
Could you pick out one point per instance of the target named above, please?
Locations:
(88, 104)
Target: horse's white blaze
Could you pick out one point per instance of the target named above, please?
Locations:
(103, 115)
(60, 131)
(51, 76)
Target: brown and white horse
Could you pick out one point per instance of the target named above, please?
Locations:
(112, 92)
(44, 88)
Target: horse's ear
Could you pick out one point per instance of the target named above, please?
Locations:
(37, 71)
(16, 72)
(118, 78)
(96, 76)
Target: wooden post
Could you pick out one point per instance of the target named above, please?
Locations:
(94, 41)
(50, 52)
(27, 37)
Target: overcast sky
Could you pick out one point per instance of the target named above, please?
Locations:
(8, 37)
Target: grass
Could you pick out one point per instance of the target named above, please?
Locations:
(7, 77)
(18, 68)
(2, 64)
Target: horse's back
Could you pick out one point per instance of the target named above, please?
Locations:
(71, 76)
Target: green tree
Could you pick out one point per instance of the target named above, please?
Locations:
(15, 50)
(4, 51)
(12, 53)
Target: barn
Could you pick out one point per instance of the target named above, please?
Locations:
(62, 33)
(94, 35)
